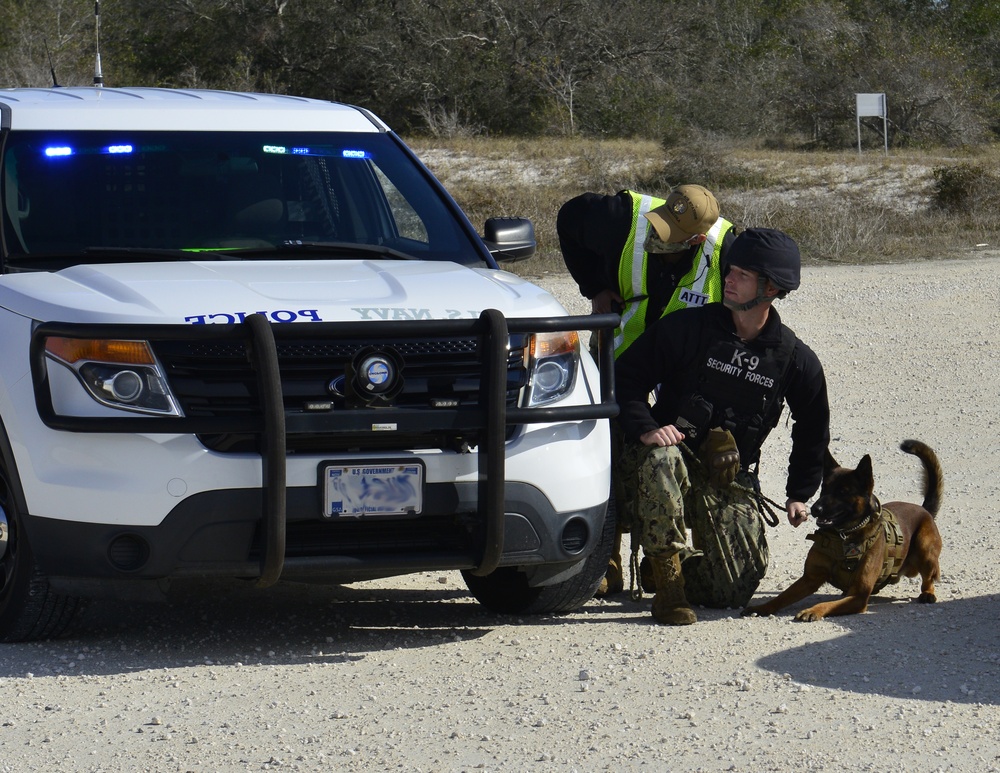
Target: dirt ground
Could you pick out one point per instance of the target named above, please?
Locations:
(410, 674)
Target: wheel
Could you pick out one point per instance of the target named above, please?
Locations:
(506, 590)
(29, 610)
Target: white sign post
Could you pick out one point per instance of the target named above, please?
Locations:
(873, 105)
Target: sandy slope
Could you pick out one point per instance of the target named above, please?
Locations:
(409, 674)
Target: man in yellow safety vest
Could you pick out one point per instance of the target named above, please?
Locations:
(642, 257)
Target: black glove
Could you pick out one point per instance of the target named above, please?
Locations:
(720, 456)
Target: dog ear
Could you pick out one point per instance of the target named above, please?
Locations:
(865, 474)
(829, 463)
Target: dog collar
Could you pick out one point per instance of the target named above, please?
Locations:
(875, 514)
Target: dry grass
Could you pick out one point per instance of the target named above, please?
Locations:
(840, 207)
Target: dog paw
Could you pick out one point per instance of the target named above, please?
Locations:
(927, 598)
(808, 616)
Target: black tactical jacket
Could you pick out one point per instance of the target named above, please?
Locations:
(672, 358)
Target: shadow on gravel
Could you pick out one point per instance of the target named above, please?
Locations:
(949, 651)
(219, 624)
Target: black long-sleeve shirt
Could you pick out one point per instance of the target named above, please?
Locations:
(670, 355)
(593, 229)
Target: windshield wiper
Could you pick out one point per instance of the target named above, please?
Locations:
(101, 254)
(54, 261)
(153, 254)
(319, 250)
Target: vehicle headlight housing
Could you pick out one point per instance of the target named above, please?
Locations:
(553, 362)
(116, 373)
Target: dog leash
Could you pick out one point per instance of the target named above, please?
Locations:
(764, 503)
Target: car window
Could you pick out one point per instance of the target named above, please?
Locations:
(202, 191)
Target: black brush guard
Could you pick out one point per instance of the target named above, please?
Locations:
(489, 419)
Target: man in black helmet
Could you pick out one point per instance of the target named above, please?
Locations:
(723, 372)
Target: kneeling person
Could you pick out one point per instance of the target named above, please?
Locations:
(722, 374)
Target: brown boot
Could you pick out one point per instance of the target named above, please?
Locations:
(614, 579)
(670, 606)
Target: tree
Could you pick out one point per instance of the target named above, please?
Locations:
(784, 70)
(42, 41)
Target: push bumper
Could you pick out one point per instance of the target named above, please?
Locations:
(266, 515)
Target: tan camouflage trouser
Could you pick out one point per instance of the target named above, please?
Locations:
(729, 554)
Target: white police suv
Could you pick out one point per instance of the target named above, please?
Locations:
(251, 336)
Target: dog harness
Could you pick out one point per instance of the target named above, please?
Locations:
(846, 547)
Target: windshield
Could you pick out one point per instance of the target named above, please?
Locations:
(71, 192)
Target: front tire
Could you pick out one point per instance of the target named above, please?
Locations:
(506, 590)
(29, 609)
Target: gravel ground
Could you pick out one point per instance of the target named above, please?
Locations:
(410, 674)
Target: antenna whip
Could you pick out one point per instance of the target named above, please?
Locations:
(98, 75)
(52, 69)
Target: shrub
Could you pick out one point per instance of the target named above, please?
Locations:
(965, 188)
(705, 165)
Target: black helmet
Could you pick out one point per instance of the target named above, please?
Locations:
(768, 252)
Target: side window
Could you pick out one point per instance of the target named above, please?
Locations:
(408, 223)
(16, 205)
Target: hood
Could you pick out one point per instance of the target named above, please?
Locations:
(215, 292)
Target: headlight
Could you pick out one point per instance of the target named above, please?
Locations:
(120, 374)
(553, 361)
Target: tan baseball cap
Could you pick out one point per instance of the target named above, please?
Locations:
(688, 210)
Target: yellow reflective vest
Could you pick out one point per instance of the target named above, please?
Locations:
(701, 285)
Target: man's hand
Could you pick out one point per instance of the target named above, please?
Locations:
(798, 513)
(720, 456)
(606, 302)
(662, 436)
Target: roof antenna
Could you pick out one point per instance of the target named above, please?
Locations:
(52, 69)
(98, 75)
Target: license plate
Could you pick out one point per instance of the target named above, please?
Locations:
(373, 489)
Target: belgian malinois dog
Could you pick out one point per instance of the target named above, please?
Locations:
(863, 545)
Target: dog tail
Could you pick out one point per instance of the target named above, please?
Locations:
(933, 477)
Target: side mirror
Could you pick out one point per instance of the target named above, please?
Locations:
(509, 239)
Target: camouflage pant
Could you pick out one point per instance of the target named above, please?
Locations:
(623, 479)
(623, 472)
(729, 553)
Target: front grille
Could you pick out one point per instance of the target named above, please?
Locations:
(214, 378)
